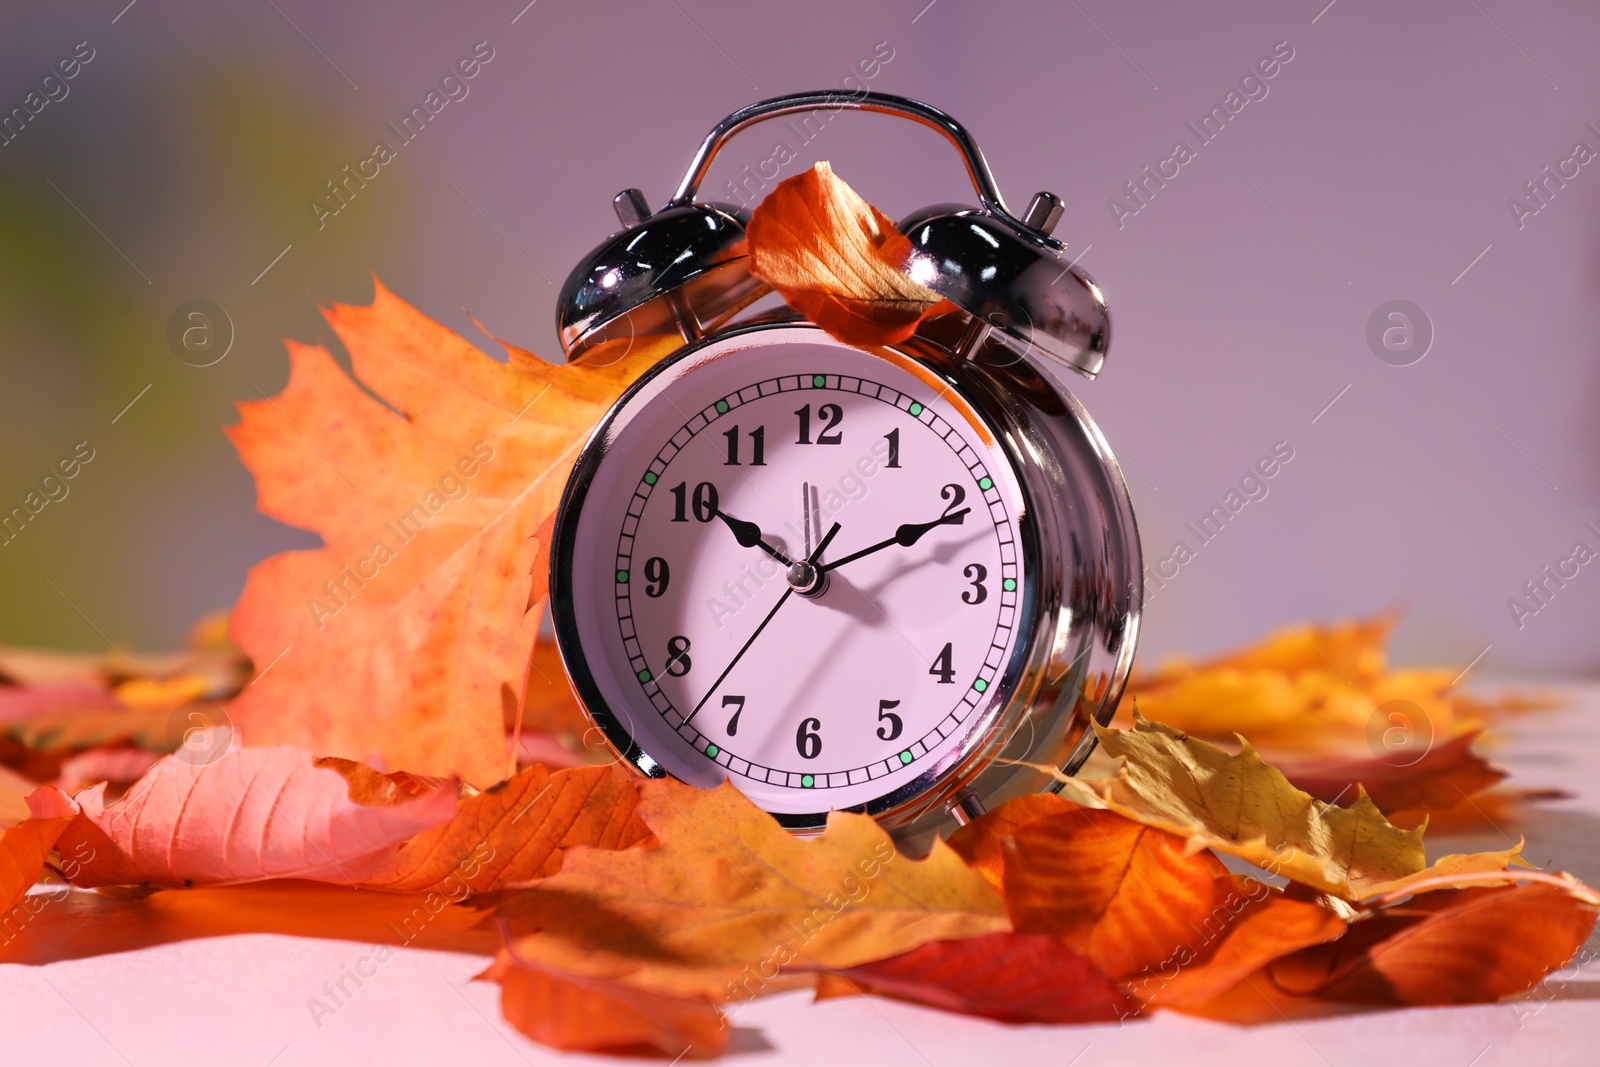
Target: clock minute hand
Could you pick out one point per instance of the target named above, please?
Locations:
(737, 656)
(906, 536)
(748, 534)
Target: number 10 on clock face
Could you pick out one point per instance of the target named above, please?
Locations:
(795, 565)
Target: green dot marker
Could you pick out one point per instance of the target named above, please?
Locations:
(986, 484)
(916, 409)
(722, 407)
(649, 478)
(807, 781)
(644, 676)
(905, 757)
(818, 380)
(622, 577)
(980, 685)
(1010, 585)
(712, 750)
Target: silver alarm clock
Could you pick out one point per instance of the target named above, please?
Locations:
(865, 579)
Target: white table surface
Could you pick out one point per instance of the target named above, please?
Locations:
(93, 991)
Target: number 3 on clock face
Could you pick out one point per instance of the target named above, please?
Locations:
(795, 565)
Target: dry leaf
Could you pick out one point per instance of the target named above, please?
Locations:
(837, 260)
(728, 898)
(516, 831)
(251, 814)
(1255, 925)
(399, 636)
(25, 846)
(1127, 897)
(1441, 777)
(1015, 978)
(1311, 688)
(982, 841)
(1242, 806)
(585, 1012)
(1449, 947)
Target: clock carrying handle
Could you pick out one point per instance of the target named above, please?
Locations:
(834, 100)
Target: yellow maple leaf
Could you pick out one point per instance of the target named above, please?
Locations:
(729, 898)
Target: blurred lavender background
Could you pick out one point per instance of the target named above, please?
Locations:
(1424, 153)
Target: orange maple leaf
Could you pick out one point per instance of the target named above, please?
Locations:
(589, 1012)
(426, 473)
(516, 831)
(25, 846)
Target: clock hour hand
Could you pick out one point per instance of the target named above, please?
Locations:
(906, 536)
(737, 656)
(748, 534)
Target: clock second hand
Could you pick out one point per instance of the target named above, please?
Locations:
(737, 656)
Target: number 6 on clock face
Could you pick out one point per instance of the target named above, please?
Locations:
(767, 539)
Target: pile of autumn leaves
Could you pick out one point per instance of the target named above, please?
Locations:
(637, 913)
(633, 914)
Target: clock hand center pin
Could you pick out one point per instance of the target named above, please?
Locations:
(737, 656)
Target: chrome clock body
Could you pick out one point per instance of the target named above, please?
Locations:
(1057, 500)
(1079, 599)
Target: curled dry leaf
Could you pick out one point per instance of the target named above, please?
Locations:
(1448, 947)
(1012, 977)
(516, 831)
(729, 897)
(25, 846)
(837, 260)
(1242, 806)
(426, 491)
(250, 815)
(1125, 896)
(592, 1013)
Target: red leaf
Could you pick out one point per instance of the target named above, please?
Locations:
(1016, 978)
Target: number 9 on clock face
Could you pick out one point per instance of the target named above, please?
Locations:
(795, 565)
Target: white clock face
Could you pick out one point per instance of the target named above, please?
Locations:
(821, 666)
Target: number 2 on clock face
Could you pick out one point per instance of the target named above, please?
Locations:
(830, 692)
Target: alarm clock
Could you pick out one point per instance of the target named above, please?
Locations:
(897, 580)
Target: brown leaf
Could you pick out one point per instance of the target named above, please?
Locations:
(1125, 896)
(1012, 977)
(728, 898)
(1449, 947)
(516, 831)
(578, 1012)
(837, 260)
